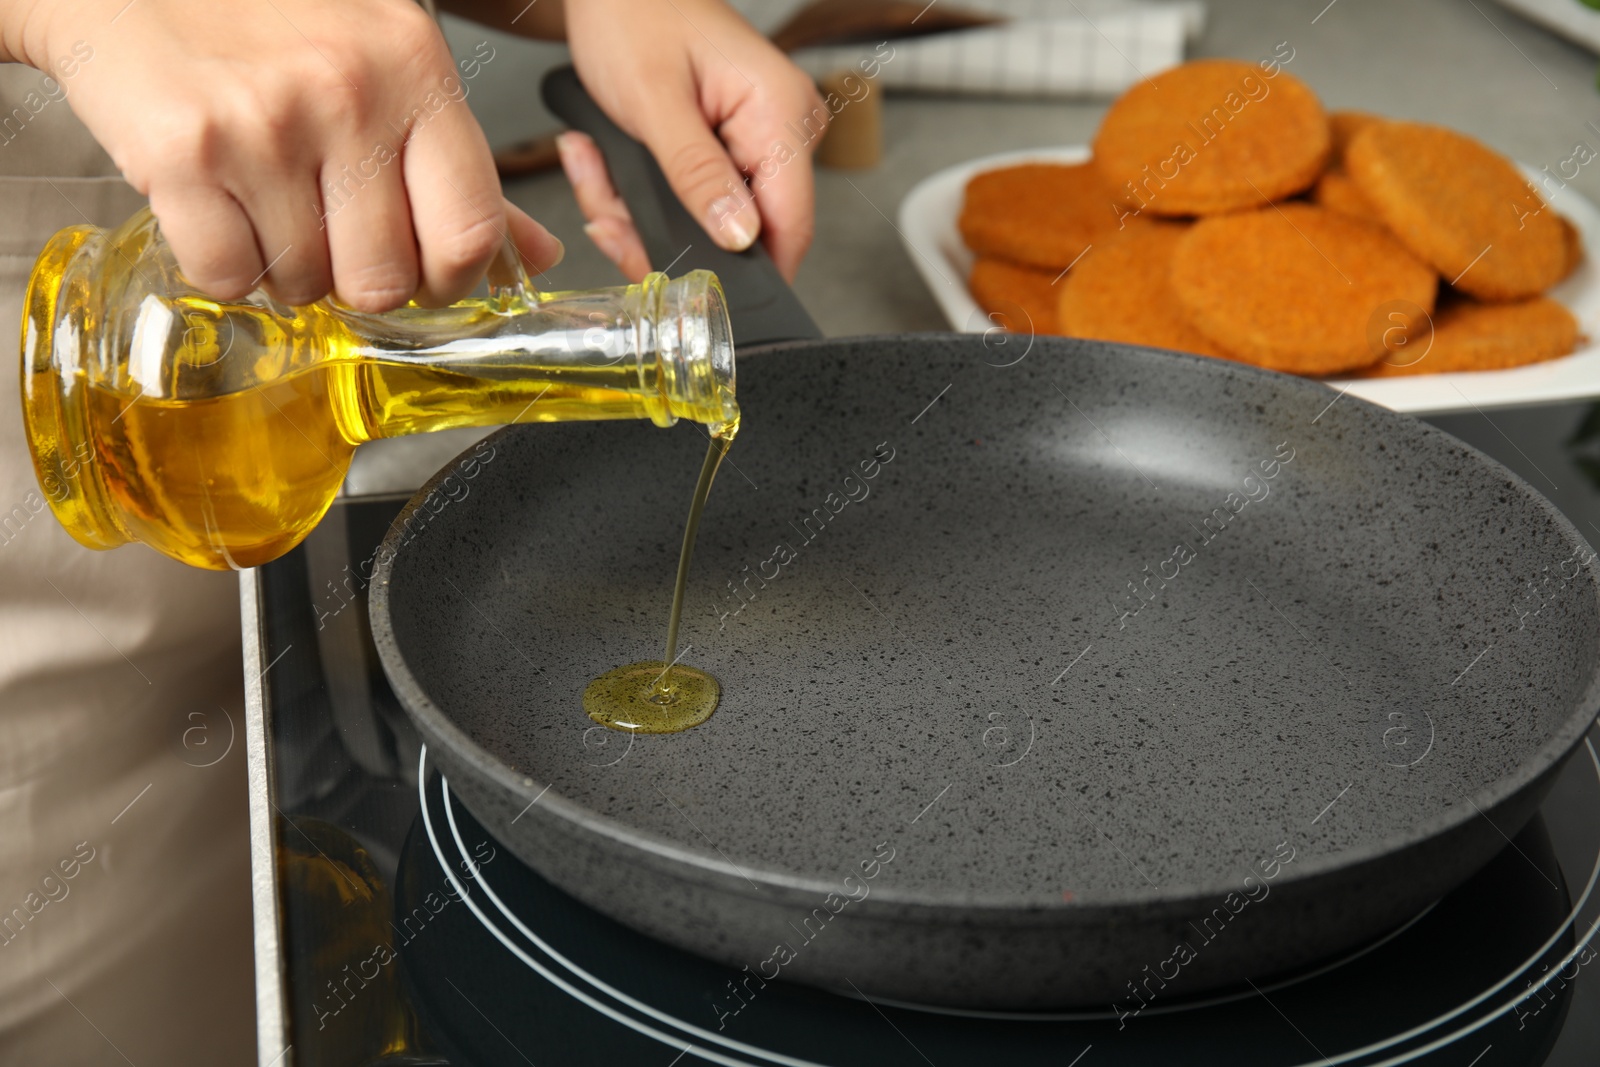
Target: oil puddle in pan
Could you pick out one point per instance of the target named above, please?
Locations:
(664, 696)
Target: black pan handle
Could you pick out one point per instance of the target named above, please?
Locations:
(760, 303)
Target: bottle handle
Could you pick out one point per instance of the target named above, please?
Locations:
(761, 304)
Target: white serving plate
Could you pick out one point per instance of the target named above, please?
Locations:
(928, 217)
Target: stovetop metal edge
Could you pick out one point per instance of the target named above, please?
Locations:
(272, 1034)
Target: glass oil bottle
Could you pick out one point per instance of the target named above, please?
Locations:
(219, 433)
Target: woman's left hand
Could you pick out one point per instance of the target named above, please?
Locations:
(715, 102)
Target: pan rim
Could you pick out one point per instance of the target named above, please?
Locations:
(1013, 909)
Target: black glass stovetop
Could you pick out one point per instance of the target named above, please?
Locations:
(410, 937)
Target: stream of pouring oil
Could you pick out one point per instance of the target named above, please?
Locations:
(664, 696)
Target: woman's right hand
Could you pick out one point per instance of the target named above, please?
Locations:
(297, 145)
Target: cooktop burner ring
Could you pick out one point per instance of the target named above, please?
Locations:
(560, 983)
(1194, 1004)
(699, 1038)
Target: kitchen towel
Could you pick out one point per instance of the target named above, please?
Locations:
(1573, 19)
(1044, 48)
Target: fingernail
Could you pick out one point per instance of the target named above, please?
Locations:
(727, 224)
(564, 144)
(606, 242)
(572, 161)
(561, 252)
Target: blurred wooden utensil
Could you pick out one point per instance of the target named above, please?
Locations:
(844, 21)
(528, 157)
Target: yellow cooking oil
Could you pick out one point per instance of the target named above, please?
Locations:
(219, 433)
(239, 478)
(664, 696)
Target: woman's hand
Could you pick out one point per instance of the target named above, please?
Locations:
(299, 145)
(714, 101)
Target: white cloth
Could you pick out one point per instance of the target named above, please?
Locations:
(1046, 48)
(1571, 19)
(119, 675)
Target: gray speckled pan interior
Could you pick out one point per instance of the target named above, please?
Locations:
(1348, 638)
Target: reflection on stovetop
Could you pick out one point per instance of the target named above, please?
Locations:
(484, 938)
(367, 982)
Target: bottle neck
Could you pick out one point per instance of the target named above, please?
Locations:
(660, 350)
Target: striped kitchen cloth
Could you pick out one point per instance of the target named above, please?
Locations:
(1045, 48)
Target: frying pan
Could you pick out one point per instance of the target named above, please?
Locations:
(1053, 672)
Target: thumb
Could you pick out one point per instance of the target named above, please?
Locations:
(539, 248)
(699, 170)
